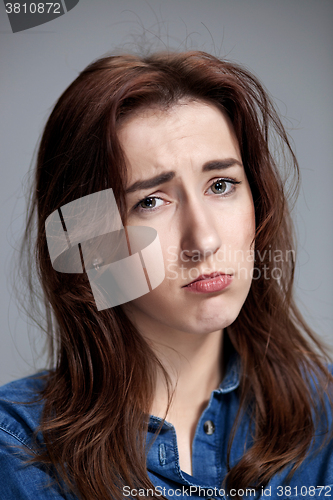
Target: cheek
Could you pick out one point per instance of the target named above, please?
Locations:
(247, 225)
(170, 248)
(238, 246)
(238, 230)
(158, 304)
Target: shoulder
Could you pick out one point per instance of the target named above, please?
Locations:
(21, 408)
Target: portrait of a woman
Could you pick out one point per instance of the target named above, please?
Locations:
(212, 384)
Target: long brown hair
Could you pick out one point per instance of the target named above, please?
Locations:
(99, 393)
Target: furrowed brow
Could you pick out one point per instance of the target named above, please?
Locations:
(220, 164)
(152, 182)
(168, 176)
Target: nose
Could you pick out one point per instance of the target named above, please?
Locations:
(200, 237)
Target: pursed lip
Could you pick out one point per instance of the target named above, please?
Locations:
(207, 276)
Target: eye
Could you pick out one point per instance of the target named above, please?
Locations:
(223, 186)
(149, 203)
(219, 187)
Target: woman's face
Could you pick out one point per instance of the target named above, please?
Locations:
(199, 201)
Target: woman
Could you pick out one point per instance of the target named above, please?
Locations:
(211, 384)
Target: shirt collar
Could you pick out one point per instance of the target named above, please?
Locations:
(231, 380)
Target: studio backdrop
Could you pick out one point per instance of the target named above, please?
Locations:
(288, 45)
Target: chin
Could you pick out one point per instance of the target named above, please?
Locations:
(209, 326)
(215, 314)
(208, 323)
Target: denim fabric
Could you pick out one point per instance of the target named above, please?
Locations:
(22, 481)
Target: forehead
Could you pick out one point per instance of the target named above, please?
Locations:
(189, 132)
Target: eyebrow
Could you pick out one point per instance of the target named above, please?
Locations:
(220, 164)
(168, 176)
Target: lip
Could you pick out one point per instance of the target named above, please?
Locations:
(209, 283)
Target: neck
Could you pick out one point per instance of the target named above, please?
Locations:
(194, 366)
(193, 363)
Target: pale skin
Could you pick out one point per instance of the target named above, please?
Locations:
(204, 212)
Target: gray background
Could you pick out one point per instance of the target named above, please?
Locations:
(287, 43)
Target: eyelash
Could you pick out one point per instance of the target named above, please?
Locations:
(233, 182)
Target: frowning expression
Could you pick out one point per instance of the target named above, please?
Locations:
(187, 180)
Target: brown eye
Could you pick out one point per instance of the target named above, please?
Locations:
(148, 203)
(219, 187)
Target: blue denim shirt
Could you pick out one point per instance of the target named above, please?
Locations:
(19, 481)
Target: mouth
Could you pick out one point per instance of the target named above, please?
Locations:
(209, 283)
(206, 277)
